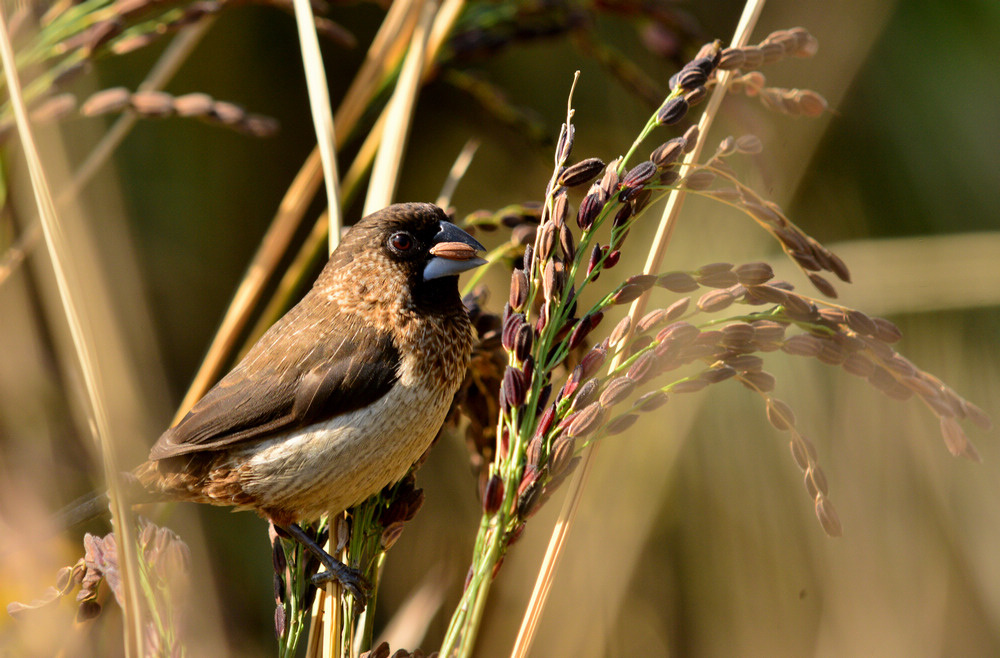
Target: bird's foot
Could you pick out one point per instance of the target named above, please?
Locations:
(350, 579)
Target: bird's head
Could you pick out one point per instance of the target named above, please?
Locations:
(406, 249)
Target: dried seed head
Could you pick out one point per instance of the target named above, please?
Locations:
(651, 401)
(861, 323)
(593, 360)
(689, 386)
(715, 300)
(152, 103)
(545, 420)
(511, 326)
(672, 111)
(518, 289)
(581, 173)
(547, 236)
(738, 332)
(754, 274)
(595, 257)
(561, 456)
(587, 393)
(580, 331)
(691, 138)
(560, 207)
(886, 331)
(831, 353)
(955, 439)
(677, 282)
(780, 414)
(514, 386)
(586, 421)
(609, 182)
(533, 452)
(679, 333)
(565, 144)
(699, 179)
(717, 279)
(688, 78)
(753, 57)
(528, 501)
(620, 331)
(822, 285)
(553, 280)
(802, 345)
(493, 495)
(758, 380)
(677, 309)
(810, 103)
(115, 99)
(522, 342)
(53, 108)
(828, 518)
(858, 364)
(667, 153)
(815, 481)
(590, 208)
(622, 216)
(726, 147)
(803, 451)
(627, 293)
(617, 390)
(732, 59)
(566, 242)
(652, 319)
(638, 176)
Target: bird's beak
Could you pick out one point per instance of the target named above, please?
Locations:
(453, 251)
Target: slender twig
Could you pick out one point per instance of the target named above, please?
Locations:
(83, 343)
(557, 541)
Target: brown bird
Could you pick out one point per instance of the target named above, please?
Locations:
(343, 394)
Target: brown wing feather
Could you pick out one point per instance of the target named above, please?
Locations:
(353, 367)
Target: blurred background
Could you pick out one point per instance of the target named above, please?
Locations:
(695, 535)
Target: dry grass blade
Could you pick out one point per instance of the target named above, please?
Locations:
(382, 56)
(389, 160)
(322, 113)
(458, 170)
(546, 574)
(60, 253)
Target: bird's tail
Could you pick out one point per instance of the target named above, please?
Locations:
(84, 508)
(95, 504)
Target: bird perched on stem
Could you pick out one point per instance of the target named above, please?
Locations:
(343, 394)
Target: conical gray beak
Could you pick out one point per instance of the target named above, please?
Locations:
(453, 251)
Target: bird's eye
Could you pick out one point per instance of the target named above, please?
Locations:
(401, 241)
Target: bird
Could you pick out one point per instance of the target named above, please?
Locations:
(341, 395)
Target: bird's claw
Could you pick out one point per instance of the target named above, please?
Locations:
(350, 579)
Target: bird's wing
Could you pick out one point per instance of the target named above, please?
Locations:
(353, 367)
